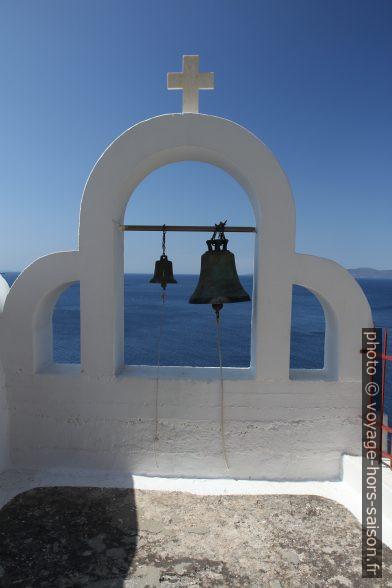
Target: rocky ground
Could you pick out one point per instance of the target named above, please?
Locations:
(112, 538)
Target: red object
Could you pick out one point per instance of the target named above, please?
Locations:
(385, 357)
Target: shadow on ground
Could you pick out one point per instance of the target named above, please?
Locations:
(61, 537)
(89, 537)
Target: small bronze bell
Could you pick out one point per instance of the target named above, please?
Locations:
(218, 281)
(163, 274)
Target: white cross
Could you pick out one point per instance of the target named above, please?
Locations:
(190, 81)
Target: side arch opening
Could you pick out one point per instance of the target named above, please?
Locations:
(307, 346)
(57, 328)
(66, 326)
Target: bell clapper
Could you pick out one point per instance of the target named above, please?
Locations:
(217, 308)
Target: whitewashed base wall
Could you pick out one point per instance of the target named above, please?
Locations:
(274, 430)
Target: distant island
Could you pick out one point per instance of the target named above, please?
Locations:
(369, 272)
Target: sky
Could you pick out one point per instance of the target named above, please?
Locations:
(310, 78)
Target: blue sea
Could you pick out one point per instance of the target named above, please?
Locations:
(189, 331)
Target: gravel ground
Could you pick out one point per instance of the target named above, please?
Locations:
(115, 538)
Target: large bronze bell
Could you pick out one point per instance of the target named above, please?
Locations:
(163, 274)
(218, 281)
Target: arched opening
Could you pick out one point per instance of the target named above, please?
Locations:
(125, 164)
(66, 326)
(307, 330)
(184, 193)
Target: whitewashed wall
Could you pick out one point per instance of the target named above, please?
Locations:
(279, 424)
(292, 430)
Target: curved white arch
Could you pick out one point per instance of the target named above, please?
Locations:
(179, 137)
(139, 151)
(346, 311)
(26, 334)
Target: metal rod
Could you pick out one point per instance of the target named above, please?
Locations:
(185, 228)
